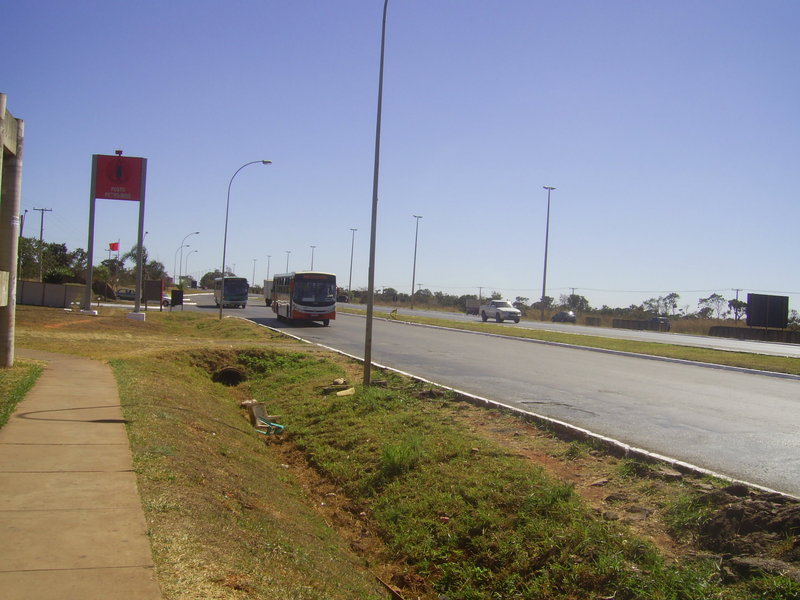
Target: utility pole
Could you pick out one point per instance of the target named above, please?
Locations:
(414, 271)
(21, 227)
(41, 237)
(736, 311)
(549, 189)
(352, 245)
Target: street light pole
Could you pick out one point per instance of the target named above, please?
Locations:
(225, 236)
(549, 189)
(269, 257)
(175, 266)
(186, 262)
(180, 264)
(288, 252)
(253, 280)
(414, 271)
(312, 257)
(352, 245)
(374, 221)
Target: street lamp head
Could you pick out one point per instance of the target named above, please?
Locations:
(548, 187)
(266, 162)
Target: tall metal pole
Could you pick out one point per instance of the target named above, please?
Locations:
(312, 257)
(253, 280)
(180, 264)
(225, 236)
(175, 265)
(414, 270)
(41, 241)
(374, 222)
(352, 245)
(186, 262)
(288, 252)
(546, 238)
(269, 257)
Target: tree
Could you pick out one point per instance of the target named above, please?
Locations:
(738, 308)
(28, 256)
(548, 303)
(207, 280)
(663, 305)
(131, 255)
(154, 270)
(670, 303)
(575, 302)
(714, 303)
(521, 303)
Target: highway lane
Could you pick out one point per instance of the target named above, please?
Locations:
(679, 339)
(739, 424)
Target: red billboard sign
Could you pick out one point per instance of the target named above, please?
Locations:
(118, 177)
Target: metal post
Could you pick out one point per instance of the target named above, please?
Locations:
(546, 238)
(180, 264)
(41, 242)
(414, 270)
(374, 222)
(352, 245)
(312, 257)
(225, 236)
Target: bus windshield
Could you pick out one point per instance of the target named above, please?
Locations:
(314, 292)
(235, 285)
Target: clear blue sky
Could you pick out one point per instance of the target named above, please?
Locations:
(671, 131)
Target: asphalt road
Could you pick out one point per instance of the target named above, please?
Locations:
(738, 424)
(679, 339)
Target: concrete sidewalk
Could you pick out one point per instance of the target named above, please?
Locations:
(71, 520)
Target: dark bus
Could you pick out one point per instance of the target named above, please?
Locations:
(236, 289)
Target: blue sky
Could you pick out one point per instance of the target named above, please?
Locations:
(670, 131)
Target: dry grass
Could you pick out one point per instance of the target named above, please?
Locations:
(111, 334)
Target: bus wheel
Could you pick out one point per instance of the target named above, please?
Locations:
(326, 322)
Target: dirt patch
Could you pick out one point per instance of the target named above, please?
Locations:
(351, 521)
(753, 531)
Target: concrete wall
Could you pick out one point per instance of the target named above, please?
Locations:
(751, 333)
(48, 294)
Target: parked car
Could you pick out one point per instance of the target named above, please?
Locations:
(126, 294)
(565, 316)
(660, 323)
(166, 299)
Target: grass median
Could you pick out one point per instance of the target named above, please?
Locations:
(397, 484)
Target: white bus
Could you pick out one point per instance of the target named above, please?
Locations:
(304, 295)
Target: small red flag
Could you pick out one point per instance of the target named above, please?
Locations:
(113, 246)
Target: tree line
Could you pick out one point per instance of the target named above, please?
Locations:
(54, 263)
